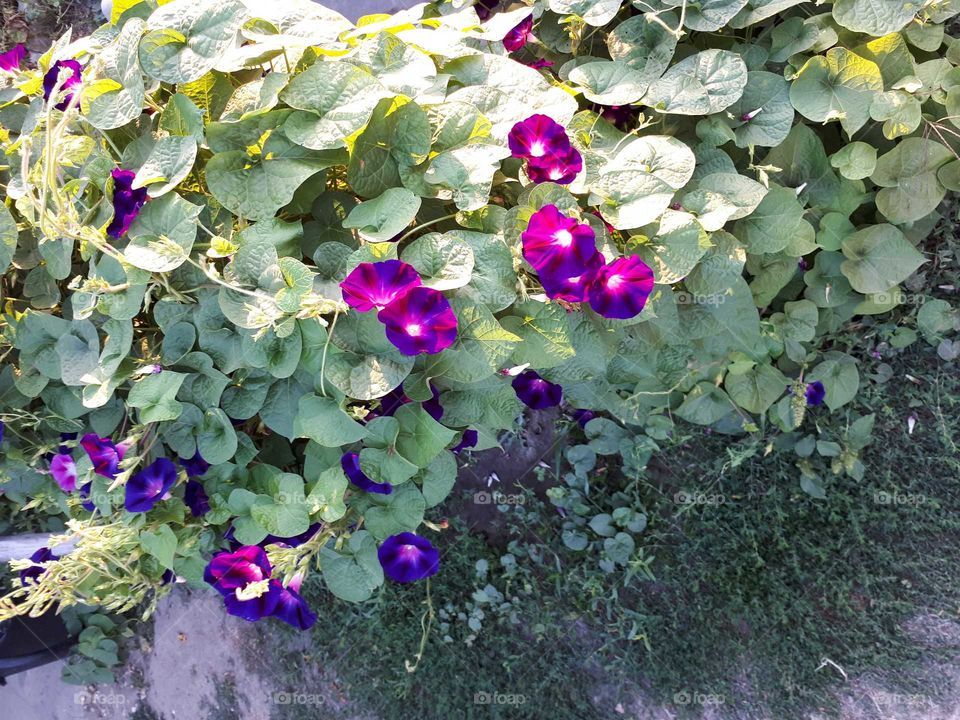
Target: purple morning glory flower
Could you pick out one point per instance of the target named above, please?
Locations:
(1, 431)
(535, 392)
(433, 406)
(127, 202)
(196, 498)
(64, 471)
(87, 503)
(539, 63)
(104, 455)
(556, 245)
(622, 116)
(293, 609)
(469, 440)
(149, 485)
(30, 574)
(254, 602)
(518, 36)
(408, 557)
(537, 137)
(229, 571)
(420, 321)
(195, 466)
(11, 59)
(376, 285)
(73, 79)
(350, 462)
(815, 393)
(583, 416)
(620, 289)
(486, 8)
(561, 168)
(572, 289)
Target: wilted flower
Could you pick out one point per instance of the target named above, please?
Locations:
(519, 35)
(11, 59)
(195, 466)
(149, 485)
(73, 79)
(407, 557)
(350, 462)
(33, 572)
(64, 471)
(376, 285)
(815, 393)
(620, 289)
(420, 321)
(196, 498)
(535, 392)
(104, 455)
(556, 245)
(127, 202)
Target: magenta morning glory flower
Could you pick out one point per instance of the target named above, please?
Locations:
(539, 64)
(537, 137)
(30, 574)
(11, 59)
(420, 321)
(229, 571)
(407, 557)
(469, 440)
(376, 285)
(572, 289)
(621, 288)
(561, 168)
(518, 36)
(195, 466)
(104, 455)
(64, 471)
(150, 485)
(350, 462)
(73, 79)
(127, 202)
(556, 245)
(815, 393)
(196, 498)
(535, 392)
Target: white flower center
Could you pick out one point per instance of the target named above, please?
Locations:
(614, 281)
(563, 238)
(414, 330)
(537, 149)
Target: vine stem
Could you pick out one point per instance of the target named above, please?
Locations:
(323, 360)
(421, 226)
(426, 622)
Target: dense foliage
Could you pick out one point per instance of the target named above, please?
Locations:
(315, 261)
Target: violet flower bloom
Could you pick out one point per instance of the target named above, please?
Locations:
(469, 440)
(583, 416)
(87, 503)
(572, 289)
(433, 406)
(620, 289)
(519, 35)
(561, 168)
(539, 63)
(536, 137)
(104, 455)
(486, 9)
(556, 245)
(535, 392)
(195, 466)
(11, 59)
(408, 557)
(32, 573)
(293, 609)
(621, 116)
(376, 285)
(1, 431)
(73, 79)
(815, 393)
(196, 498)
(149, 485)
(127, 202)
(350, 462)
(64, 471)
(421, 321)
(243, 579)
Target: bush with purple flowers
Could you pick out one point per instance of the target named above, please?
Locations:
(269, 278)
